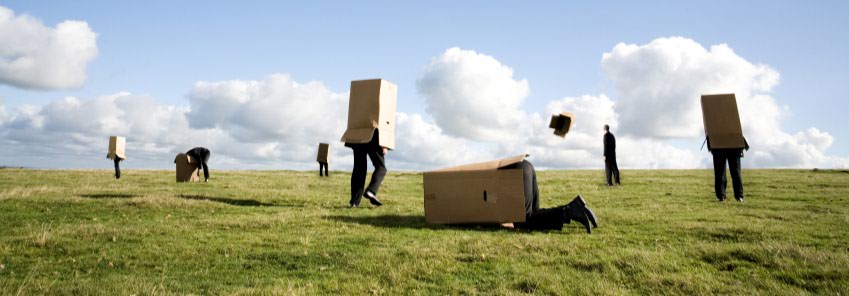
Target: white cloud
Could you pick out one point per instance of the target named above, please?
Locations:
(660, 84)
(423, 145)
(473, 95)
(34, 56)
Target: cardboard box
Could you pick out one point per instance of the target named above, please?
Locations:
(722, 121)
(187, 169)
(323, 153)
(475, 193)
(371, 106)
(116, 147)
(562, 123)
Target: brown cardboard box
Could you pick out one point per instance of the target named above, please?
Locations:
(187, 169)
(562, 123)
(323, 153)
(371, 106)
(475, 193)
(722, 121)
(116, 147)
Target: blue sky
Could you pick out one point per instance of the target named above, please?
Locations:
(161, 48)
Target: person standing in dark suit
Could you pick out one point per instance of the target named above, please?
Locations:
(611, 169)
(201, 156)
(358, 177)
(732, 157)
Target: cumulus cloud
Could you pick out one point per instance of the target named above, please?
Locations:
(473, 95)
(35, 56)
(422, 144)
(660, 83)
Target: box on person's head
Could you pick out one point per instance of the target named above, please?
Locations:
(371, 106)
(117, 146)
(187, 169)
(561, 123)
(323, 153)
(476, 193)
(722, 121)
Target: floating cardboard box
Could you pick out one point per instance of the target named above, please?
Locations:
(475, 193)
(562, 123)
(371, 106)
(116, 147)
(323, 153)
(187, 169)
(722, 121)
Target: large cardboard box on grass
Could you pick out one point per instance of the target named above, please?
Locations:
(722, 121)
(116, 147)
(371, 106)
(562, 123)
(475, 193)
(323, 153)
(187, 169)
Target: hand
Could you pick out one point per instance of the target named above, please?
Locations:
(384, 150)
(605, 158)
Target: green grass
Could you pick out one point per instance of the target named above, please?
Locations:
(283, 232)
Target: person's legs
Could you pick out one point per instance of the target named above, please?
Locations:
(321, 166)
(736, 179)
(608, 172)
(375, 153)
(719, 180)
(326, 169)
(117, 168)
(205, 171)
(615, 172)
(358, 175)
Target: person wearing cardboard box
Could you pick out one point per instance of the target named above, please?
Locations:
(116, 153)
(725, 141)
(611, 169)
(201, 157)
(371, 132)
(323, 159)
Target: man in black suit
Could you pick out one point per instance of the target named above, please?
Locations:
(201, 156)
(610, 166)
(732, 157)
(358, 177)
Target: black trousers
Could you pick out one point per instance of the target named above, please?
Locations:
(536, 218)
(611, 169)
(720, 158)
(323, 165)
(358, 176)
(117, 167)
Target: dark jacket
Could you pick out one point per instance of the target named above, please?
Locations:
(609, 145)
(199, 153)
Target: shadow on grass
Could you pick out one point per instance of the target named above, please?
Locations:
(108, 195)
(232, 201)
(408, 221)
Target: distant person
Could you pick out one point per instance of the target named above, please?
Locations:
(550, 218)
(358, 177)
(323, 165)
(201, 157)
(611, 169)
(732, 157)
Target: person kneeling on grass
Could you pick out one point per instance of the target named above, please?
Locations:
(550, 218)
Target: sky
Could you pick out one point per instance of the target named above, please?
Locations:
(261, 83)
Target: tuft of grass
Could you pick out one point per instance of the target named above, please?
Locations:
(290, 233)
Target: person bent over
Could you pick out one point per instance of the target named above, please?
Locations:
(201, 157)
(550, 218)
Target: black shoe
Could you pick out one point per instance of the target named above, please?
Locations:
(353, 205)
(372, 199)
(578, 211)
(117, 176)
(740, 199)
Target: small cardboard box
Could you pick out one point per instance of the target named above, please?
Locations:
(187, 169)
(116, 147)
(475, 193)
(722, 121)
(323, 153)
(561, 123)
(371, 106)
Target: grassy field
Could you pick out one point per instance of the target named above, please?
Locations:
(284, 232)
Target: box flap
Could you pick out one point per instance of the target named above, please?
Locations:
(488, 165)
(722, 121)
